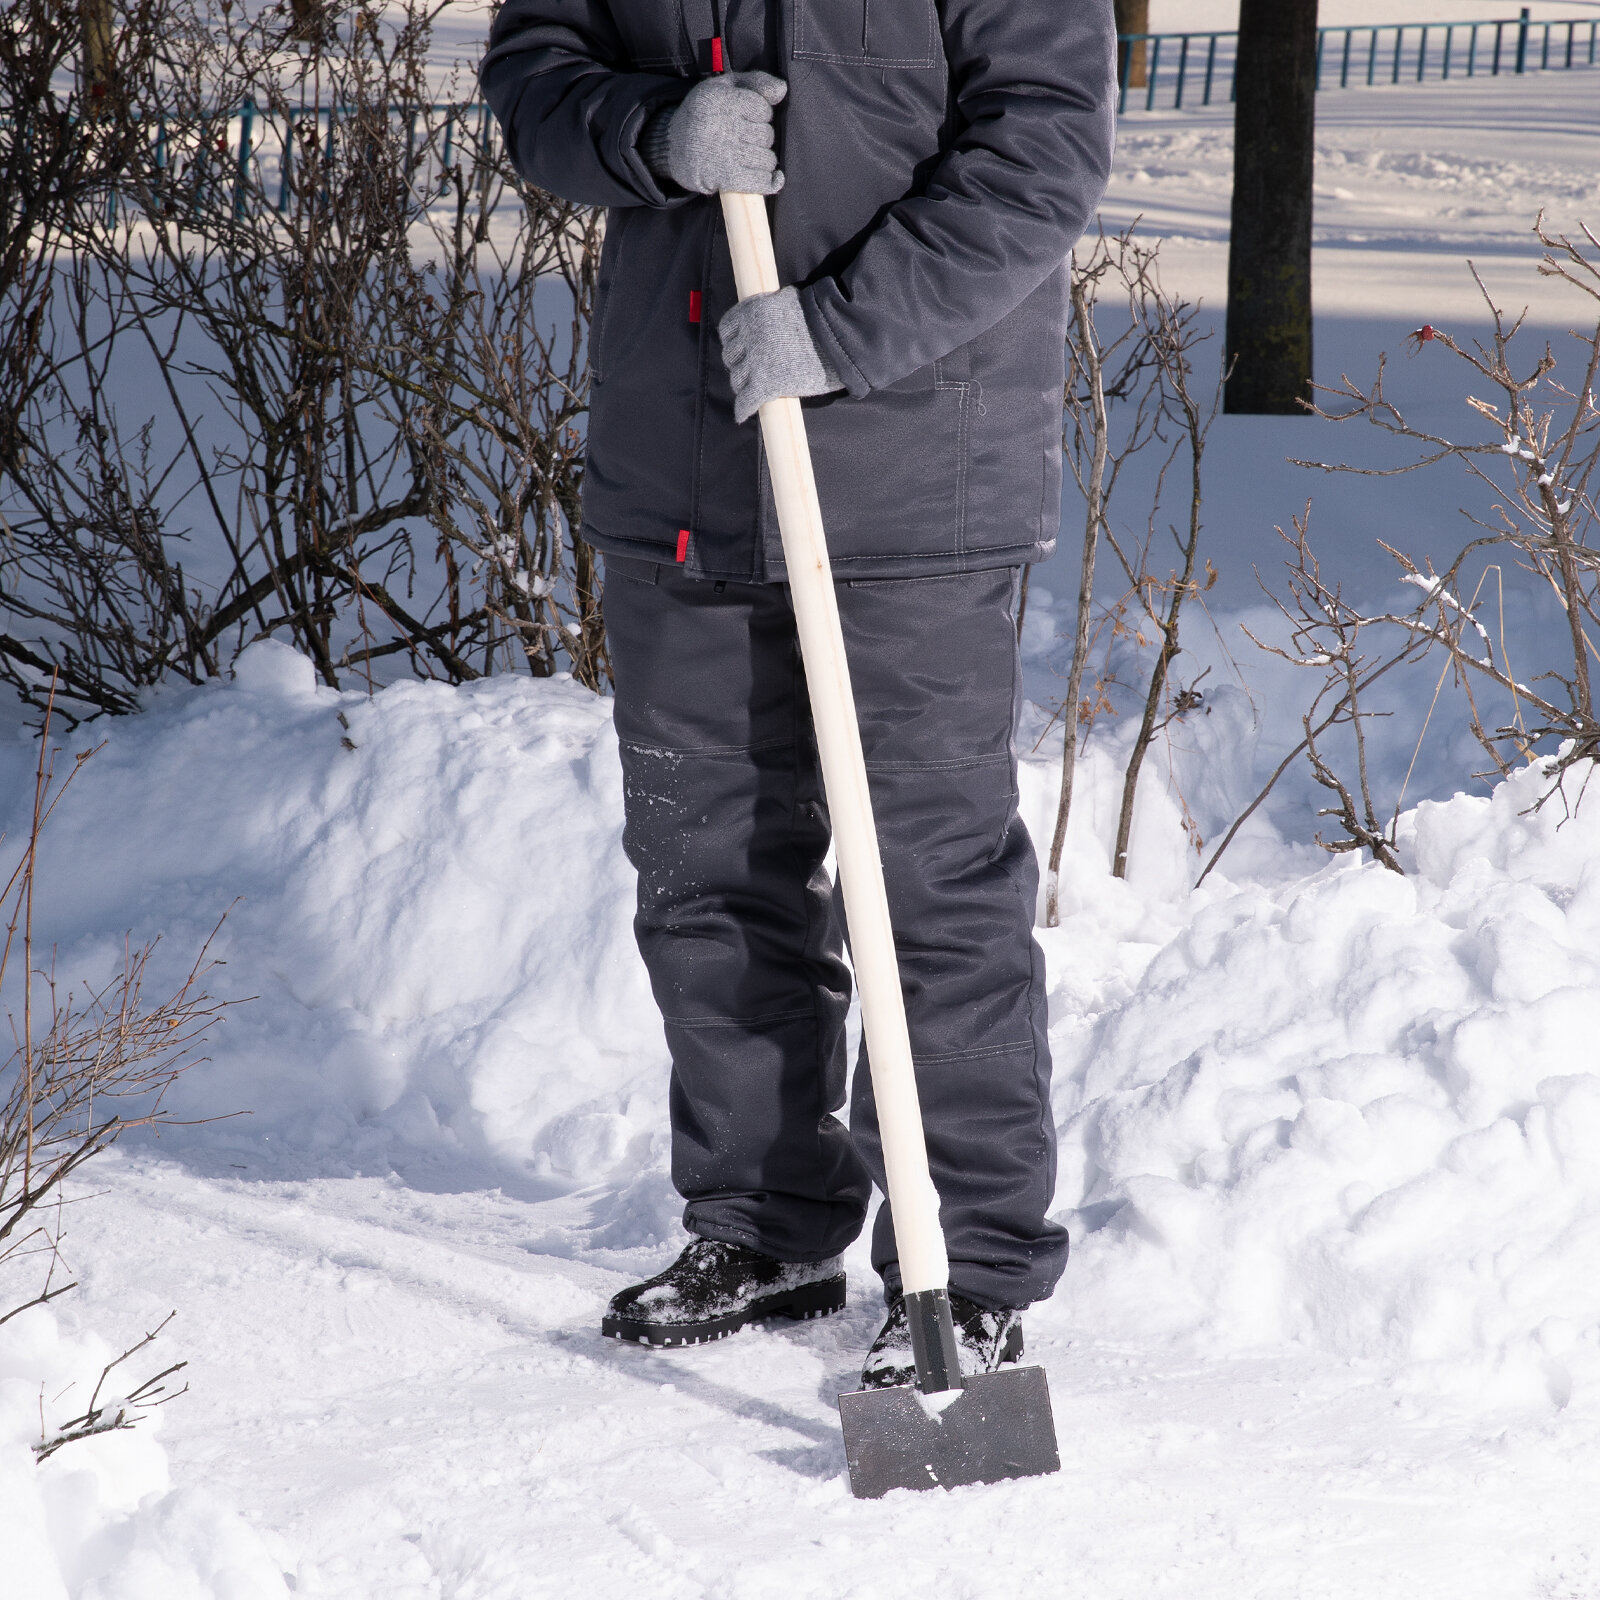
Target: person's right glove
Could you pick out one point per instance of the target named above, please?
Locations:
(719, 136)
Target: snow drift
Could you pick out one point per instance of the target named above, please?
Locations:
(100, 1520)
(430, 913)
(1349, 1109)
(1338, 1108)
(1360, 1110)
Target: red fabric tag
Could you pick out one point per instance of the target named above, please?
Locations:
(683, 544)
(694, 305)
(716, 54)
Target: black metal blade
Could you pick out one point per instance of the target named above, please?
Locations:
(1001, 1426)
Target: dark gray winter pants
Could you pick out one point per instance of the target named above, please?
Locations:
(742, 935)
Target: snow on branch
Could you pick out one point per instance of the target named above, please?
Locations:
(115, 1412)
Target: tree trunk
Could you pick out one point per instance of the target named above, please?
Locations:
(1133, 16)
(1094, 506)
(1269, 256)
(97, 45)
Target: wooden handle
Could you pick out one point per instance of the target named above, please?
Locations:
(912, 1197)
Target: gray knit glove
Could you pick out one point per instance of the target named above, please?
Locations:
(770, 354)
(719, 136)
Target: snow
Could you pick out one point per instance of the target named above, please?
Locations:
(1325, 1156)
(100, 1520)
(1409, 181)
(1356, 1113)
(1332, 1323)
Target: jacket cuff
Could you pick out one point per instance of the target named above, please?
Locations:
(631, 151)
(823, 335)
(654, 142)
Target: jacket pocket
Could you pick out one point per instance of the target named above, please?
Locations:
(618, 568)
(866, 33)
(1017, 371)
(891, 473)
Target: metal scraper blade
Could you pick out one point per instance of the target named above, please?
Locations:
(999, 1426)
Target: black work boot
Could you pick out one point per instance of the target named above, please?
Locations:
(986, 1339)
(714, 1289)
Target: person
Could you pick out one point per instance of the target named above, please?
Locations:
(931, 163)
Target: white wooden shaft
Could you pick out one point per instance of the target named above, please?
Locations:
(915, 1203)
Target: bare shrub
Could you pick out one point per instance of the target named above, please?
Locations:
(320, 373)
(73, 87)
(88, 1063)
(1535, 474)
(505, 391)
(1325, 635)
(1126, 394)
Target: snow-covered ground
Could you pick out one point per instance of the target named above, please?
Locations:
(1332, 1326)
(1407, 177)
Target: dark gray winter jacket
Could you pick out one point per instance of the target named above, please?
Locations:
(941, 156)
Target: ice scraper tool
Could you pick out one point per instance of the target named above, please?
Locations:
(948, 1430)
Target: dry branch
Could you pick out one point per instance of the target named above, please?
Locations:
(1123, 395)
(118, 1412)
(100, 1062)
(1535, 474)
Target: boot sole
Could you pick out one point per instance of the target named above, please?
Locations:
(799, 1305)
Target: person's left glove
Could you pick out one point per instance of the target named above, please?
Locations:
(770, 354)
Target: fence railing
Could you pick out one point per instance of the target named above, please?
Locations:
(1166, 71)
(251, 155)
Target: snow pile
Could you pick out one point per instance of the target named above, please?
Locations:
(1321, 1110)
(1361, 1111)
(1342, 1108)
(432, 924)
(98, 1520)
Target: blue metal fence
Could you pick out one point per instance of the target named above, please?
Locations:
(254, 153)
(1198, 68)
